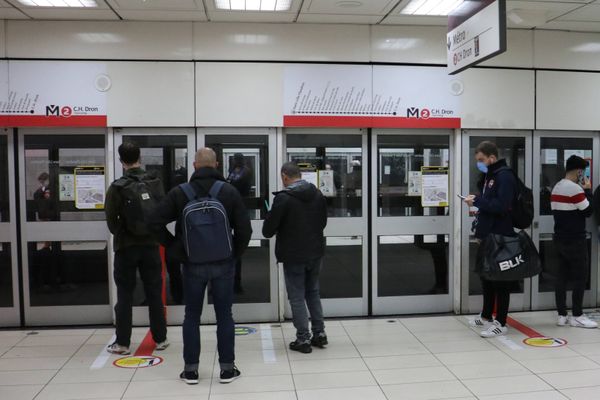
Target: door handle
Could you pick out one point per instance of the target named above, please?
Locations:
(536, 225)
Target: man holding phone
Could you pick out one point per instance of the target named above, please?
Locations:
(571, 205)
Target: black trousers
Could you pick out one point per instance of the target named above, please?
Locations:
(573, 266)
(496, 293)
(127, 262)
(175, 282)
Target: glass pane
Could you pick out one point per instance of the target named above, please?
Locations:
(553, 157)
(341, 275)
(399, 163)
(550, 264)
(412, 265)
(474, 279)
(244, 161)
(165, 155)
(50, 165)
(4, 187)
(341, 155)
(68, 273)
(6, 287)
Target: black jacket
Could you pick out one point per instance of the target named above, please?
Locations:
(171, 208)
(298, 217)
(495, 202)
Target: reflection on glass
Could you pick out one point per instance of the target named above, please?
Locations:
(4, 196)
(6, 288)
(68, 273)
(400, 159)
(551, 263)
(412, 265)
(244, 161)
(341, 274)
(50, 163)
(474, 279)
(553, 157)
(334, 163)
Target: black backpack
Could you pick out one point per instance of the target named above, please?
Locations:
(140, 194)
(522, 209)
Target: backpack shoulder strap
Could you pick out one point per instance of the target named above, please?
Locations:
(189, 191)
(216, 188)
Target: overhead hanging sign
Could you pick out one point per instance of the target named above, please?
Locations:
(476, 32)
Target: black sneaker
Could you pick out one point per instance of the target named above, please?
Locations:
(302, 347)
(230, 376)
(319, 341)
(189, 377)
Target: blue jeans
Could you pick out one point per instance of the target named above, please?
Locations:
(302, 284)
(195, 280)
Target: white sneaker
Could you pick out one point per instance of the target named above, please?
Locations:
(479, 322)
(116, 348)
(583, 322)
(162, 345)
(494, 330)
(563, 320)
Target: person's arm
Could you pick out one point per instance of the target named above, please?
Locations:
(111, 208)
(165, 212)
(585, 206)
(273, 217)
(240, 223)
(323, 212)
(502, 203)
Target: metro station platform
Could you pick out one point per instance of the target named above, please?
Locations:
(393, 358)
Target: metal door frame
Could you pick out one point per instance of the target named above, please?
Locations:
(341, 227)
(60, 231)
(427, 225)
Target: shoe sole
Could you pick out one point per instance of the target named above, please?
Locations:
(225, 381)
(161, 348)
(190, 381)
(119, 353)
(307, 351)
(584, 327)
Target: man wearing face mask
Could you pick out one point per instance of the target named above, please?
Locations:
(571, 205)
(493, 217)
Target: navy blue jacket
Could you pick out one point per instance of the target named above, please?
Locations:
(495, 202)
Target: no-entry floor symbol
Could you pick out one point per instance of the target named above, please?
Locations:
(138, 362)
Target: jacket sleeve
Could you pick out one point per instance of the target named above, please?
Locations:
(589, 210)
(596, 205)
(111, 209)
(165, 212)
(274, 217)
(323, 215)
(240, 222)
(502, 203)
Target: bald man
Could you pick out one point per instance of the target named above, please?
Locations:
(197, 276)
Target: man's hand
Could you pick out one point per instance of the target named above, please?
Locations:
(469, 200)
(586, 184)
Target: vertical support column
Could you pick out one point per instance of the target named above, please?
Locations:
(456, 160)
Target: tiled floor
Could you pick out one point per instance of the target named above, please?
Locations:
(408, 358)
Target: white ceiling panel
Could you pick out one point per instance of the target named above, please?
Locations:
(165, 5)
(74, 14)
(339, 19)
(530, 14)
(589, 13)
(11, 13)
(572, 26)
(138, 15)
(355, 7)
(395, 19)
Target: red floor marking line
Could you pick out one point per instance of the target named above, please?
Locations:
(524, 329)
(146, 347)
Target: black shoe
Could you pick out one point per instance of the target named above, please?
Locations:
(230, 376)
(302, 347)
(319, 341)
(189, 377)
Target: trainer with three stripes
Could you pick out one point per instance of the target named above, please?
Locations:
(571, 205)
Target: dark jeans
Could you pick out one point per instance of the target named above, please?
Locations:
(497, 293)
(238, 273)
(302, 284)
(195, 280)
(573, 266)
(147, 260)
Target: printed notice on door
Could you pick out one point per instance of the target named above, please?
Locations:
(90, 186)
(434, 190)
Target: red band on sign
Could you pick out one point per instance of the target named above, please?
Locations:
(368, 122)
(44, 121)
(524, 329)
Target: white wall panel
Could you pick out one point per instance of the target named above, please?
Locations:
(568, 100)
(259, 42)
(2, 39)
(567, 50)
(99, 40)
(519, 50)
(408, 44)
(240, 94)
(497, 99)
(153, 94)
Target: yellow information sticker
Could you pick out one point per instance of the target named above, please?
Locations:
(138, 362)
(545, 342)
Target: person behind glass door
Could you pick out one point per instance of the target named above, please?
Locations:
(493, 217)
(240, 176)
(45, 207)
(571, 205)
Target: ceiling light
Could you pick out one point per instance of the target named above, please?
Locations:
(253, 5)
(59, 3)
(431, 7)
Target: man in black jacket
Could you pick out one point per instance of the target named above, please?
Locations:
(298, 217)
(197, 276)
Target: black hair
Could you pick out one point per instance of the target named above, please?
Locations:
(291, 170)
(129, 153)
(487, 148)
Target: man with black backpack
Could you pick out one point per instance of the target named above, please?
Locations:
(128, 202)
(212, 230)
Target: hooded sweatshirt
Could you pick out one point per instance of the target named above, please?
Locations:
(298, 217)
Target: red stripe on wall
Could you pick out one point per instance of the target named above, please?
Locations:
(368, 122)
(578, 198)
(43, 120)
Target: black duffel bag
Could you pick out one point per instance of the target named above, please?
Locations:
(508, 258)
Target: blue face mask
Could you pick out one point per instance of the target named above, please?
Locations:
(482, 167)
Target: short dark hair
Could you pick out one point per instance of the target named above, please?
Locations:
(129, 153)
(487, 148)
(291, 170)
(575, 162)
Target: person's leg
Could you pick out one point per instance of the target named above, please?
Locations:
(560, 288)
(294, 283)
(502, 301)
(313, 297)
(222, 280)
(238, 275)
(124, 275)
(151, 275)
(194, 285)
(579, 274)
(489, 299)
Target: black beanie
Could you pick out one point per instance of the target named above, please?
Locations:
(576, 162)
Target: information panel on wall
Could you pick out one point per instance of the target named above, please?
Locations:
(476, 32)
(434, 186)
